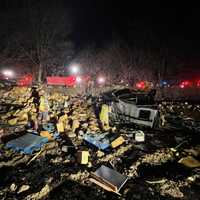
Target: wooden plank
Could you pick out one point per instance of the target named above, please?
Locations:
(104, 186)
(105, 182)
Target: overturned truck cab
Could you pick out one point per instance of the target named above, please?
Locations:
(127, 106)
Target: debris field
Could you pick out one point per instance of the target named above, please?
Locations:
(55, 146)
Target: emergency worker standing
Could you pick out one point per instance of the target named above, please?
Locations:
(43, 107)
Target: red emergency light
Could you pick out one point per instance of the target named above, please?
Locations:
(198, 83)
(66, 80)
(185, 84)
(25, 80)
(83, 78)
(140, 85)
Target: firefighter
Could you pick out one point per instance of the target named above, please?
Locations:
(104, 116)
(43, 107)
(36, 97)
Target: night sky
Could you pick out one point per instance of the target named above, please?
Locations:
(173, 25)
(99, 20)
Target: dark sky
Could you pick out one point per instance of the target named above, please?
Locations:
(173, 24)
(169, 22)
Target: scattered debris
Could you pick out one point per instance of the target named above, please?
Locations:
(108, 179)
(13, 187)
(157, 182)
(35, 157)
(190, 162)
(139, 136)
(64, 149)
(82, 157)
(117, 142)
(103, 141)
(46, 134)
(98, 140)
(100, 153)
(58, 161)
(23, 188)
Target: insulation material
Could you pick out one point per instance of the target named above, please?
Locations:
(12, 122)
(60, 127)
(82, 157)
(46, 134)
(75, 125)
(117, 142)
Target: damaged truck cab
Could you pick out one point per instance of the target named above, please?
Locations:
(131, 107)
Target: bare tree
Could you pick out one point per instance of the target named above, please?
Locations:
(119, 61)
(46, 43)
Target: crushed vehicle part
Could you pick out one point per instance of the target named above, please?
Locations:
(181, 123)
(131, 107)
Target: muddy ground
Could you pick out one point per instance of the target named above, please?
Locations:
(152, 169)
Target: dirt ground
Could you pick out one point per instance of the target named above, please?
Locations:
(153, 166)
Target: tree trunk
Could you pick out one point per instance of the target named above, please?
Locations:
(40, 72)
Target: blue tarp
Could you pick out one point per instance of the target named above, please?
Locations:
(98, 140)
(27, 143)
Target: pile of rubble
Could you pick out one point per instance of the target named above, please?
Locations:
(70, 153)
